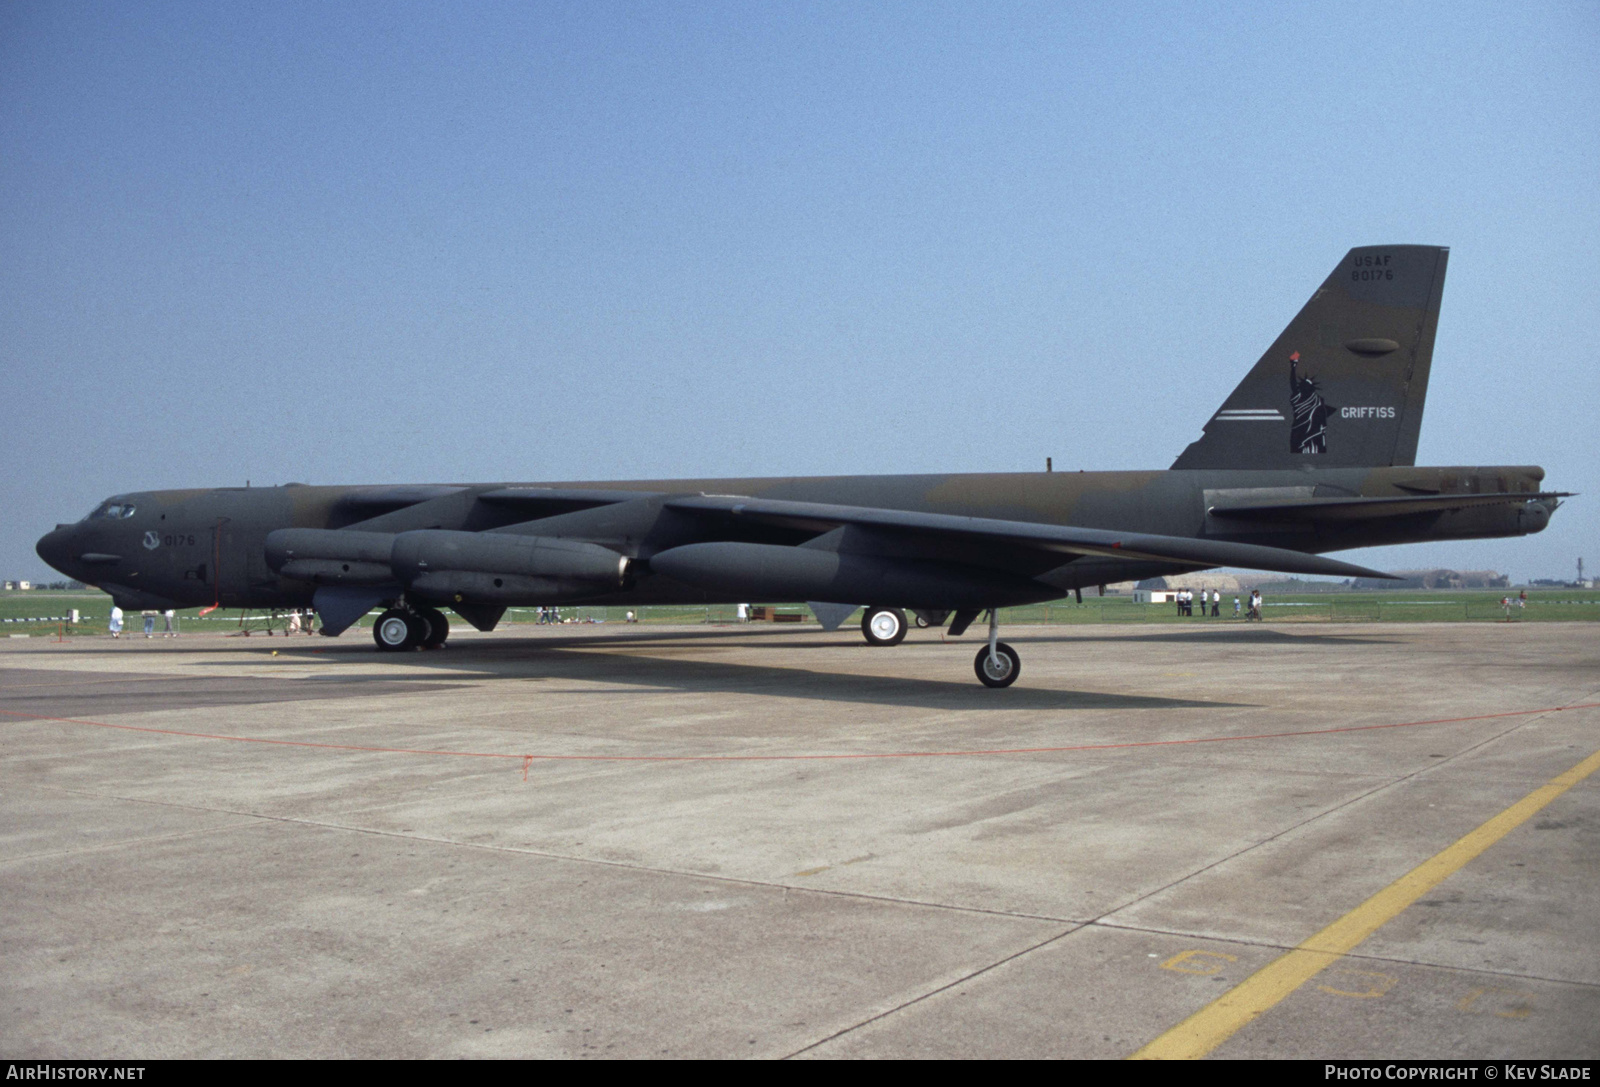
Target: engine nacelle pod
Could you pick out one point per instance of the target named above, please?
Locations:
(732, 570)
(331, 556)
(500, 568)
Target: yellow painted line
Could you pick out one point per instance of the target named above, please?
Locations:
(1218, 1021)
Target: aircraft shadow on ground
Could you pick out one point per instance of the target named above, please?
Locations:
(590, 657)
(590, 660)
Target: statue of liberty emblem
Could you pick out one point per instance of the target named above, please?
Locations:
(1308, 427)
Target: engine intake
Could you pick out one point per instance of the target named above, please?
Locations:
(449, 567)
(331, 557)
(498, 568)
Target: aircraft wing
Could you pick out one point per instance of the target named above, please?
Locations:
(1064, 540)
(548, 500)
(364, 503)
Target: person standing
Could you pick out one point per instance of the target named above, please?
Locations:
(1236, 607)
(116, 621)
(1216, 603)
(149, 621)
(171, 630)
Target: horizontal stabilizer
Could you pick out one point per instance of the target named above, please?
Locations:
(1371, 509)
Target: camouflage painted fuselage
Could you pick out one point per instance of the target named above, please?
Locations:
(196, 547)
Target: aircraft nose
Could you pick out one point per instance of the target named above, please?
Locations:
(56, 548)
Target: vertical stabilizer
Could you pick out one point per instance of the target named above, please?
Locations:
(1343, 386)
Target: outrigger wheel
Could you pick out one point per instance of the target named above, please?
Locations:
(1000, 668)
(398, 630)
(884, 626)
(438, 628)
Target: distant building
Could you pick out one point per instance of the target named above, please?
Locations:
(1164, 590)
(1437, 579)
(1228, 583)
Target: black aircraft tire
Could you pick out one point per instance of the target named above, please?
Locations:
(393, 631)
(1006, 675)
(421, 629)
(438, 628)
(884, 626)
(922, 622)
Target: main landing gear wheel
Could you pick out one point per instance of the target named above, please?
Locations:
(884, 626)
(397, 630)
(999, 669)
(438, 628)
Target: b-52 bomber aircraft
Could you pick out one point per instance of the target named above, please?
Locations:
(1313, 452)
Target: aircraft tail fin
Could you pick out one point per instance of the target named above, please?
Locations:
(1343, 386)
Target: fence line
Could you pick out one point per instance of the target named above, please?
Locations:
(1102, 610)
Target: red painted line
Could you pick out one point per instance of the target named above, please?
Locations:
(527, 759)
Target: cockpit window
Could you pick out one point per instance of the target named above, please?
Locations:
(111, 509)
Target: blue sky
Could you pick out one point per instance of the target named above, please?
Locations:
(406, 242)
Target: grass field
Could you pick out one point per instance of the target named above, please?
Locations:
(45, 612)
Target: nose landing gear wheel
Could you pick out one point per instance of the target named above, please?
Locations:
(1000, 671)
(884, 626)
(395, 630)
